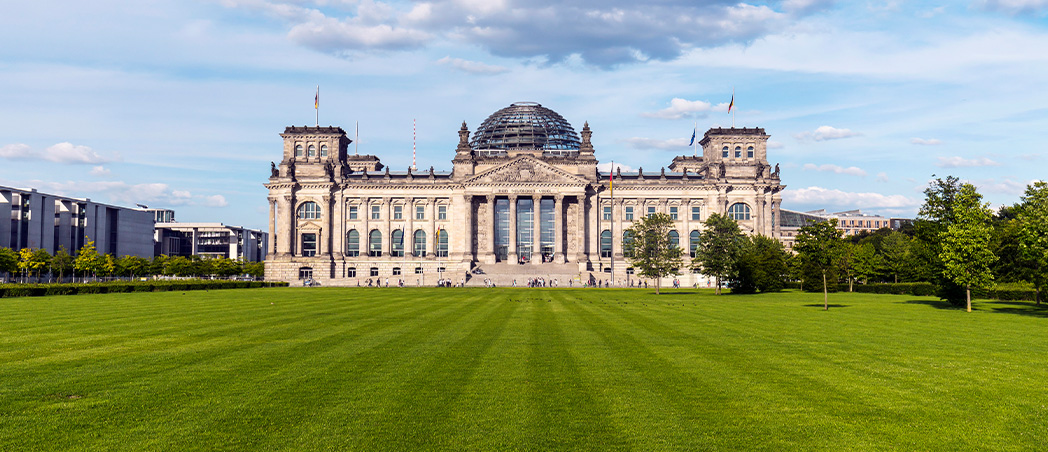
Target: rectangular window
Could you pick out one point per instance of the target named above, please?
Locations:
(352, 212)
(398, 212)
(442, 212)
(309, 244)
(629, 213)
(673, 213)
(351, 272)
(418, 270)
(374, 271)
(696, 214)
(396, 271)
(375, 215)
(607, 213)
(651, 211)
(420, 212)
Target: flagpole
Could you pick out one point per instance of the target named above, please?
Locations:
(611, 197)
(316, 105)
(694, 148)
(356, 140)
(732, 105)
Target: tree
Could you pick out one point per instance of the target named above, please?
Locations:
(865, 262)
(895, 249)
(935, 217)
(719, 248)
(178, 266)
(131, 266)
(87, 260)
(966, 253)
(1033, 232)
(225, 267)
(8, 260)
(255, 269)
(62, 262)
(821, 245)
(30, 261)
(650, 250)
(761, 266)
(107, 266)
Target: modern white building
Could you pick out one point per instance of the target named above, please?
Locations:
(210, 240)
(40, 220)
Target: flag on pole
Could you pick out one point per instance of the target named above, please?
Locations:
(732, 103)
(316, 101)
(693, 131)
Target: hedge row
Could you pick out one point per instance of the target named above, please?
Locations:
(40, 290)
(912, 288)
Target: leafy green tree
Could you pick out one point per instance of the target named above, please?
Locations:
(255, 269)
(157, 265)
(719, 248)
(895, 252)
(1012, 264)
(650, 250)
(966, 253)
(62, 262)
(865, 262)
(8, 260)
(1033, 232)
(87, 261)
(178, 266)
(822, 245)
(225, 267)
(107, 266)
(132, 266)
(933, 220)
(761, 266)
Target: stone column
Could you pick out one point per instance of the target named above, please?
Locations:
(594, 229)
(536, 228)
(409, 226)
(489, 251)
(580, 228)
(512, 229)
(365, 234)
(776, 228)
(559, 227)
(387, 225)
(431, 239)
(324, 246)
(287, 227)
(616, 228)
(467, 230)
(271, 246)
(685, 206)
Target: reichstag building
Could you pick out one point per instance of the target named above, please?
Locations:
(524, 199)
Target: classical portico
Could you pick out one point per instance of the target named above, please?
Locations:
(524, 197)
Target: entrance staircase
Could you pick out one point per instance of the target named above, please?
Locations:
(504, 273)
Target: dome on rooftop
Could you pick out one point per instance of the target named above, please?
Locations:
(526, 125)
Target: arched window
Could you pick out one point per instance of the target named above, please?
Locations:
(605, 243)
(396, 243)
(674, 239)
(312, 152)
(308, 210)
(375, 243)
(738, 152)
(352, 243)
(323, 150)
(724, 152)
(627, 240)
(420, 243)
(298, 150)
(694, 239)
(749, 152)
(739, 211)
(442, 243)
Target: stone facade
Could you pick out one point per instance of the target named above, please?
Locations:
(343, 219)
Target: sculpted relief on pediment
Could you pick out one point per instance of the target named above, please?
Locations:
(524, 170)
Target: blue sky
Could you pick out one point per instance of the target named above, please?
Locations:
(179, 104)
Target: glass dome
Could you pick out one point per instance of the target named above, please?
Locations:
(526, 125)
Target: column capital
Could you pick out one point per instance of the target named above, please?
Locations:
(490, 198)
(386, 199)
(559, 197)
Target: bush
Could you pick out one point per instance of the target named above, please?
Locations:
(39, 290)
(917, 288)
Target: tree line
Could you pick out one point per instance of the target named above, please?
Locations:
(956, 243)
(89, 264)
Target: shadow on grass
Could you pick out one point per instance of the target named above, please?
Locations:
(820, 305)
(673, 294)
(938, 304)
(1029, 309)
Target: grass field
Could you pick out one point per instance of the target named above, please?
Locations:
(519, 369)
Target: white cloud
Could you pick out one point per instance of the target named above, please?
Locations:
(824, 133)
(926, 142)
(1002, 186)
(100, 171)
(830, 168)
(882, 177)
(681, 108)
(472, 67)
(961, 162)
(605, 167)
(215, 201)
(17, 151)
(652, 143)
(1014, 6)
(805, 6)
(818, 196)
(70, 153)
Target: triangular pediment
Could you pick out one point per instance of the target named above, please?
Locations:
(525, 170)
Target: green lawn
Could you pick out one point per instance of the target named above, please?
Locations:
(519, 369)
